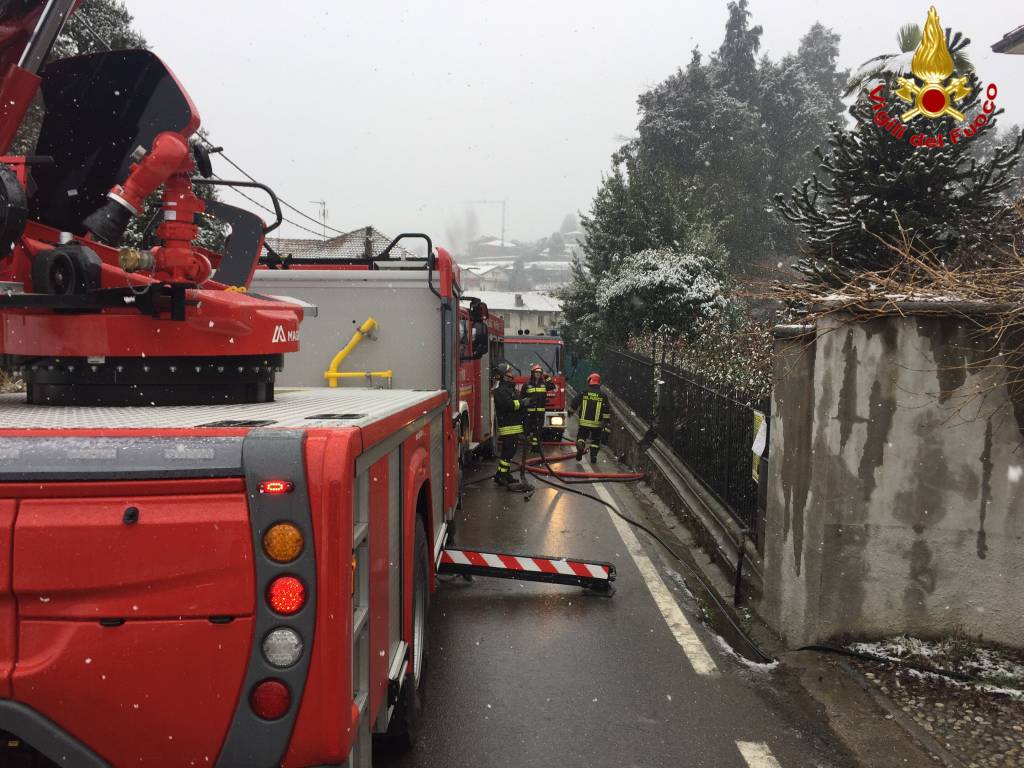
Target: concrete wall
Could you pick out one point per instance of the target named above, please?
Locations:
(896, 489)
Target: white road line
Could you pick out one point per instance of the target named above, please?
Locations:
(757, 754)
(681, 628)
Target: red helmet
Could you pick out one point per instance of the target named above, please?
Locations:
(594, 379)
(535, 368)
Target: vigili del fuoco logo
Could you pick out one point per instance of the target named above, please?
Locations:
(936, 90)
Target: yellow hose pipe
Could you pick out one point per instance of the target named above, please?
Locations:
(335, 375)
(332, 374)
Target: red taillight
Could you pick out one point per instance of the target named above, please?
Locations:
(286, 595)
(270, 699)
(276, 487)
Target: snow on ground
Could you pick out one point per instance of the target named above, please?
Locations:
(995, 670)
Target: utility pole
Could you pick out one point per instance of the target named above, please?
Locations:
(322, 204)
(504, 207)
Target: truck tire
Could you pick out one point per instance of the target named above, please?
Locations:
(402, 730)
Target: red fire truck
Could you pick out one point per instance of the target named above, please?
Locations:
(548, 352)
(200, 567)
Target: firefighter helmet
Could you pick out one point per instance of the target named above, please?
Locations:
(504, 371)
(535, 368)
(594, 379)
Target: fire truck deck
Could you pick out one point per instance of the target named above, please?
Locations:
(294, 408)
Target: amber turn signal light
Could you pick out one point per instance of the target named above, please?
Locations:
(283, 542)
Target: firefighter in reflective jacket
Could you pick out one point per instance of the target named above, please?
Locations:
(595, 417)
(509, 413)
(535, 393)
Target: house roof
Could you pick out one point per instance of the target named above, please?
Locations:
(533, 301)
(480, 269)
(362, 243)
(1012, 42)
(553, 266)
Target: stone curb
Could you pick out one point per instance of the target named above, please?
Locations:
(919, 734)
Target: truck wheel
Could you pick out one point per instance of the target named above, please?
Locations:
(401, 733)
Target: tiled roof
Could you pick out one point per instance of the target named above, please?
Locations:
(366, 242)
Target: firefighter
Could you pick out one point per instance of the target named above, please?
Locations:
(509, 412)
(535, 394)
(595, 417)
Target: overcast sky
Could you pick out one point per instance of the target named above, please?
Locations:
(399, 112)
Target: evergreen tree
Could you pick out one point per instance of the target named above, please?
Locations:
(818, 54)
(800, 99)
(714, 141)
(872, 189)
(736, 56)
(556, 246)
(701, 150)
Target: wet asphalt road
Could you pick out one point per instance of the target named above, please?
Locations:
(538, 675)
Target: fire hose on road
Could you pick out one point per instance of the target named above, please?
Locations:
(540, 467)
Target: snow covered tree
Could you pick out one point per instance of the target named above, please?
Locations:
(97, 25)
(872, 190)
(663, 291)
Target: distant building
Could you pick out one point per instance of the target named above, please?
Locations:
(549, 273)
(489, 248)
(362, 243)
(538, 313)
(486, 276)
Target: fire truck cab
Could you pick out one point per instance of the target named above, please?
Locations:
(549, 352)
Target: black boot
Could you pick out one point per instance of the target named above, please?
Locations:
(503, 479)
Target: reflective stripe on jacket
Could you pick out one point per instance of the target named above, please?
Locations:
(536, 395)
(594, 409)
(508, 410)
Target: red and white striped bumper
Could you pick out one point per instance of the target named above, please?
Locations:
(552, 570)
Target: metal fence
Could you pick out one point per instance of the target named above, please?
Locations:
(578, 369)
(631, 377)
(712, 432)
(709, 429)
